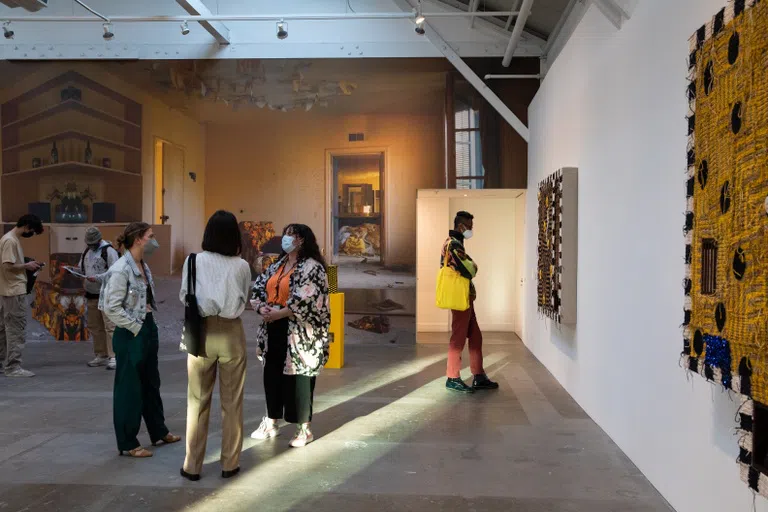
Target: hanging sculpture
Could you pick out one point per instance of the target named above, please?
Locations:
(726, 282)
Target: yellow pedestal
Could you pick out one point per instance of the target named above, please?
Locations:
(336, 351)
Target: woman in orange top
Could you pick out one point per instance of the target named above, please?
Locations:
(292, 297)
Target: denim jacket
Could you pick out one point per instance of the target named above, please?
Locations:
(124, 294)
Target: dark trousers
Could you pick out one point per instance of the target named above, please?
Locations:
(289, 397)
(137, 386)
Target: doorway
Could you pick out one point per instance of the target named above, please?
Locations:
(169, 196)
(357, 213)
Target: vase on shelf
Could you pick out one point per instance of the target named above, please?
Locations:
(54, 154)
(88, 153)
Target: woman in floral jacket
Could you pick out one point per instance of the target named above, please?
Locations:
(292, 297)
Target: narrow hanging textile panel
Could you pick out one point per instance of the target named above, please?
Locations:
(726, 222)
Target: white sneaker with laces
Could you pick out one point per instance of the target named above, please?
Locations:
(267, 429)
(98, 361)
(112, 364)
(19, 372)
(302, 437)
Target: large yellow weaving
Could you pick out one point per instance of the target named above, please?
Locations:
(730, 191)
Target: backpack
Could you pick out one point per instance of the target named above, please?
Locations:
(104, 256)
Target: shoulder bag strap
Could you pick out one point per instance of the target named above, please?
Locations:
(192, 274)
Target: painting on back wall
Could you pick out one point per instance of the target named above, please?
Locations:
(726, 221)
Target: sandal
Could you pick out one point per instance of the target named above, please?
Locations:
(168, 439)
(139, 453)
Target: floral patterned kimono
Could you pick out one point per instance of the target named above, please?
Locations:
(308, 338)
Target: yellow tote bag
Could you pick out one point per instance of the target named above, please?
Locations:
(452, 290)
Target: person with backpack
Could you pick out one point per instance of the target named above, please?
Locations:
(95, 262)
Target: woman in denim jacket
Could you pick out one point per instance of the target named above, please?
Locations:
(127, 298)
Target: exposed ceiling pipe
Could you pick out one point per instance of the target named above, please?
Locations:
(509, 20)
(262, 17)
(517, 32)
(81, 4)
(473, 5)
(512, 77)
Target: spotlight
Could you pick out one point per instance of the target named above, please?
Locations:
(184, 28)
(420, 19)
(8, 33)
(108, 34)
(282, 29)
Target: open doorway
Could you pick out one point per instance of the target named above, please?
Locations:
(357, 218)
(169, 196)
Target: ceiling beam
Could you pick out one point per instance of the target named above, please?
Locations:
(517, 32)
(572, 16)
(611, 10)
(217, 29)
(443, 47)
(497, 26)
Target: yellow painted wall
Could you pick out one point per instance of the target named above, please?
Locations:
(276, 169)
(158, 121)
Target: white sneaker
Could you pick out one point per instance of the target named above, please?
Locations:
(302, 437)
(19, 372)
(98, 361)
(112, 364)
(267, 429)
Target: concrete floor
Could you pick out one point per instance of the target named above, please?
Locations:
(389, 438)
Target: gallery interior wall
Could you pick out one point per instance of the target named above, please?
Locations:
(159, 121)
(494, 247)
(614, 105)
(276, 170)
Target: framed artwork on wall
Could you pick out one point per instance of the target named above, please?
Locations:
(557, 245)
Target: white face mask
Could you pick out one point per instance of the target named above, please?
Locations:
(287, 244)
(468, 234)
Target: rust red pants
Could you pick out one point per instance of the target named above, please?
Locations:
(464, 325)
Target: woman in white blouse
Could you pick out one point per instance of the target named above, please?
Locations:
(222, 285)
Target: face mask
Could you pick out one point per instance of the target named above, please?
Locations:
(28, 234)
(468, 234)
(151, 247)
(287, 244)
(94, 247)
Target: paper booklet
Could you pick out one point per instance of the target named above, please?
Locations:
(75, 271)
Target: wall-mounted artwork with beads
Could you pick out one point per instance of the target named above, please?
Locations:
(726, 223)
(557, 245)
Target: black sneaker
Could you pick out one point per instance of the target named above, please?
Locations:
(458, 385)
(483, 382)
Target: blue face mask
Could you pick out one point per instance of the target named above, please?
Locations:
(287, 244)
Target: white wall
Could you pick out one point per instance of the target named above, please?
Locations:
(493, 247)
(614, 106)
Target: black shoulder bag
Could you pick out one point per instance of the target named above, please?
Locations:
(192, 341)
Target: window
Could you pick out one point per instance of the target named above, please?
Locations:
(469, 157)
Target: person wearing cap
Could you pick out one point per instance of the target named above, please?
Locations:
(95, 262)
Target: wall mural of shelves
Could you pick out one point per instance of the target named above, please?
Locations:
(71, 134)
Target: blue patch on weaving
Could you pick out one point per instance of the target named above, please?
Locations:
(718, 355)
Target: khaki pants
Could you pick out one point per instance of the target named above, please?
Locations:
(225, 350)
(101, 328)
(13, 324)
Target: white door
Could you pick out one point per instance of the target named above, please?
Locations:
(173, 201)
